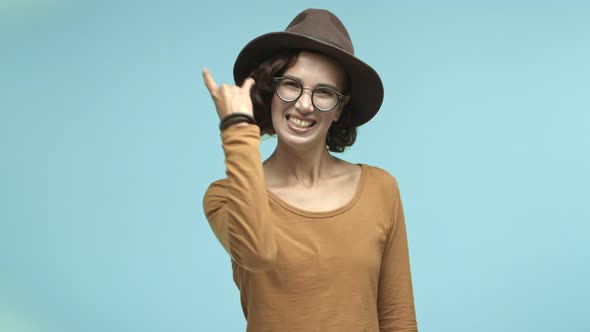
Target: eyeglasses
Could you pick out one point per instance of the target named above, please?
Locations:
(323, 98)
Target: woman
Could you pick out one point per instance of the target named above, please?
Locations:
(317, 243)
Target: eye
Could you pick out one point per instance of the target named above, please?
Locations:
(291, 84)
(325, 93)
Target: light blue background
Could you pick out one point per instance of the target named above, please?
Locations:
(109, 140)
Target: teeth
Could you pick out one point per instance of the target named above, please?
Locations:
(300, 123)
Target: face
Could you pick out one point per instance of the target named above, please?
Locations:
(299, 123)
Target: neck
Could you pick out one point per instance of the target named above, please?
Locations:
(304, 166)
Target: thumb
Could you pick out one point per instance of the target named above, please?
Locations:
(248, 83)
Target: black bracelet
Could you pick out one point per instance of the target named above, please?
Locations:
(235, 118)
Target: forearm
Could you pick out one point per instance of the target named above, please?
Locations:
(250, 234)
(396, 298)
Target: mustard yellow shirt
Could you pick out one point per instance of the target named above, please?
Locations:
(342, 270)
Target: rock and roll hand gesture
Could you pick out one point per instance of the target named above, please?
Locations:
(229, 98)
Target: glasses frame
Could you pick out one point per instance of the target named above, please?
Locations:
(277, 79)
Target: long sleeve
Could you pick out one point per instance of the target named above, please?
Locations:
(395, 299)
(237, 207)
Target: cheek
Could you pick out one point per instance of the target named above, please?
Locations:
(276, 111)
(273, 103)
(277, 107)
(273, 108)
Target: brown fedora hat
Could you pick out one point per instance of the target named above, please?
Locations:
(320, 31)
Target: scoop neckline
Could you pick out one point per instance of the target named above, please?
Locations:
(329, 213)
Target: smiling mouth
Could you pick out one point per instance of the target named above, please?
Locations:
(300, 123)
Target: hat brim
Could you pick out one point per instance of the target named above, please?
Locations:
(366, 94)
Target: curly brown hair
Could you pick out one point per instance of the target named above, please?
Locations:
(341, 134)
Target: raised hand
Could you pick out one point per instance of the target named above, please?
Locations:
(229, 98)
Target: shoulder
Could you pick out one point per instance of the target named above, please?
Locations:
(383, 190)
(215, 195)
(217, 187)
(379, 178)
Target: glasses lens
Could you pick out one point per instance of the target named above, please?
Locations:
(325, 99)
(288, 89)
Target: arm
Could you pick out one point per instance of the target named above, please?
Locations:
(396, 299)
(237, 207)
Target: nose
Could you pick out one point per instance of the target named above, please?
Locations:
(304, 103)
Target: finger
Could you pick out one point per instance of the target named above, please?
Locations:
(209, 81)
(248, 83)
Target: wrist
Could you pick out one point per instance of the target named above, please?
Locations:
(239, 124)
(235, 119)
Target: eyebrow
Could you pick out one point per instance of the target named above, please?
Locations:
(321, 85)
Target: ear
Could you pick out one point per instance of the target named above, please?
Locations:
(341, 108)
(338, 114)
(346, 100)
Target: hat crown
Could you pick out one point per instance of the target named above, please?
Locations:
(324, 26)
